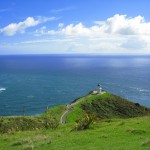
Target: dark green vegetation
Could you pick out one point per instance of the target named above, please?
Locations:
(111, 106)
(106, 106)
(49, 119)
(111, 122)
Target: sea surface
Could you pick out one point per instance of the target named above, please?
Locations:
(30, 83)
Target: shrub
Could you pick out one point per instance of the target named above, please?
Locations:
(146, 143)
(84, 122)
(23, 123)
(133, 131)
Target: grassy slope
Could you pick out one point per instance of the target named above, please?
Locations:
(48, 119)
(118, 134)
(130, 134)
(106, 106)
(112, 106)
(55, 112)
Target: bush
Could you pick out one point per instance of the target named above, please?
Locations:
(84, 122)
(50, 123)
(23, 123)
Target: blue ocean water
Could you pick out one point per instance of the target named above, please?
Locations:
(30, 83)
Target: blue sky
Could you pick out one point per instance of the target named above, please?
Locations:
(75, 26)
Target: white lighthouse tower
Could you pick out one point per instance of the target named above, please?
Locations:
(99, 90)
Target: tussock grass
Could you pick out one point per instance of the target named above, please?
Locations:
(22, 142)
(121, 123)
(146, 143)
(32, 142)
(28, 147)
(134, 131)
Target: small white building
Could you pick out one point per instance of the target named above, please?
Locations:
(98, 90)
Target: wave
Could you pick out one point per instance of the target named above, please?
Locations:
(30, 96)
(140, 89)
(2, 89)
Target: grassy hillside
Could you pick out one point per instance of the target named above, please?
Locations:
(119, 125)
(106, 106)
(112, 106)
(49, 119)
(54, 112)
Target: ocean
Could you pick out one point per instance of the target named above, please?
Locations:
(30, 83)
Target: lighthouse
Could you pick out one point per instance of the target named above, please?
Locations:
(99, 89)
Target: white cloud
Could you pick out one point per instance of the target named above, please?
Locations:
(60, 25)
(99, 22)
(42, 19)
(75, 30)
(118, 34)
(45, 41)
(20, 27)
(118, 24)
(134, 43)
(13, 28)
(43, 31)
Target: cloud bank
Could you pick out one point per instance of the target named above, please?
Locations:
(118, 24)
(118, 34)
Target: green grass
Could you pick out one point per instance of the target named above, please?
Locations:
(116, 134)
(49, 119)
(105, 106)
(116, 131)
(112, 106)
(54, 112)
(78, 112)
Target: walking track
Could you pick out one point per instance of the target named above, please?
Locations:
(69, 109)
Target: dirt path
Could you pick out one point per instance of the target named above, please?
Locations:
(70, 108)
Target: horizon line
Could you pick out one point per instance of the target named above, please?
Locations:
(89, 54)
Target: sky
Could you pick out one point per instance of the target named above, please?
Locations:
(106, 27)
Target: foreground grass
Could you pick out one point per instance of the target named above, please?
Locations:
(112, 133)
(109, 134)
